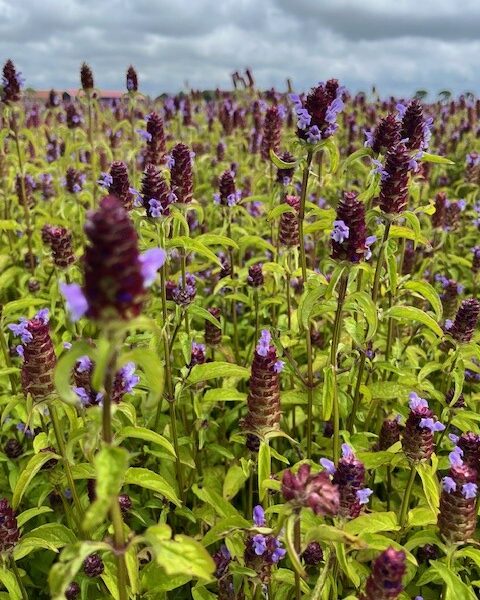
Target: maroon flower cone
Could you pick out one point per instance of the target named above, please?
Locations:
(11, 83)
(438, 217)
(352, 212)
(308, 490)
(469, 443)
(385, 580)
(114, 284)
(264, 393)
(132, 79)
(452, 215)
(450, 298)
(272, 131)
(213, 334)
(417, 441)
(154, 187)
(413, 126)
(73, 180)
(255, 277)
(39, 360)
(386, 135)
(156, 147)
(457, 518)
(394, 186)
(284, 176)
(120, 185)
(349, 476)
(476, 260)
(288, 226)
(389, 434)
(73, 117)
(9, 532)
(465, 321)
(86, 77)
(313, 554)
(409, 258)
(26, 198)
(317, 103)
(73, 591)
(226, 188)
(93, 565)
(182, 174)
(60, 241)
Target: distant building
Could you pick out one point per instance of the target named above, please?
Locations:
(105, 95)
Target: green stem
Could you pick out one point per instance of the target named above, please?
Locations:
(92, 148)
(297, 545)
(303, 262)
(173, 426)
(381, 254)
(16, 572)
(406, 498)
(337, 328)
(66, 464)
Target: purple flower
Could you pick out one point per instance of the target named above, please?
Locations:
(259, 544)
(84, 364)
(401, 109)
(429, 423)
(77, 304)
(278, 366)
(455, 457)
(170, 161)
(20, 329)
(363, 495)
(145, 135)
(328, 465)
(20, 351)
(347, 451)
(380, 169)
(371, 239)
(314, 135)
(263, 345)
(335, 107)
(448, 324)
(368, 139)
(82, 394)
(469, 490)
(454, 438)
(416, 402)
(156, 208)
(340, 232)
(278, 553)
(259, 516)
(151, 260)
(129, 379)
(449, 485)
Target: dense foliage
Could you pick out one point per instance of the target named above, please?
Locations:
(239, 345)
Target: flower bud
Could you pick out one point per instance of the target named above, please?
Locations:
(385, 136)
(417, 441)
(394, 185)
(349, 476)
(132, 79)
(213, 334)
(86, 77)
(385, 580)
(272, 130)
(284, 176)
(313, 554)
(12, 83)
(156, 194)
(156, 146)
(348, 238)
(120, 186)
(465, 321)
(93, 566)
(389, 434)
(308, 490)
(255, 277)
(181, 174)
(60, 241)
(288, 226)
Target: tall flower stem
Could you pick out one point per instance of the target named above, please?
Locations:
(303, 262)
(115, 511)
(337, 329)
(402, 519)
(297, 543)
(26, 209)
(66, 464)
(18, 578)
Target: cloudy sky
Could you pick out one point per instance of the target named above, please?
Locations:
(400, 46)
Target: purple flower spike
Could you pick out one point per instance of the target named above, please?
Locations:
(429, 423)
(416, 402)
(328, 465)
(151, 261)
(363, 495)
(469, 491)
(340, 232)
(77, 304)
(259, 544)
(278, 366)
(347, 451)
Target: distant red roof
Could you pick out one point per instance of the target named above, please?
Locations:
(73, 93)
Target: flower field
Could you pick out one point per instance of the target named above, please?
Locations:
(239, 342)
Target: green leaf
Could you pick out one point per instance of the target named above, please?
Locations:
(234, 481)
(71, 560)
(31, 513)
(142, 433)
(151, 365)
(28, 473)
(308, 303)
(182, 555)
(289, 542)
(279, 163)
(110, 467)
(430, 485)
(357, 155)
(223, 527)
(421, 516)
(346, 565)
(328, 392)
(201, 313)
(434, 158)
(210, 239)
(410, 313)
(223, 395)
(215, 500)
(456, 589)
(8, 225)
(50, 536)
(373, 523)
(264, 468)
(214, 370)
(201, 593)
(151, 481)
(330, 146)
(362, 302)
(9, 581)
(327, 533)
(427, 291)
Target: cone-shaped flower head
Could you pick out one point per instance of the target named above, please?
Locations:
(264, 388)
(389, 434)
(284, 175)
(181, 173)
(288, 226)
(415, 129)
(315, 491)
(317, 115)
(12, 82)
(120, 186)
(227, 193)
(132, 79)
(385, 580)
(394, 184)
(255, 277)
(155, 138)
(116, 275)
(385, 136)
(457, 517)
(465, 321)
(348, 237)
(9, 531)
(417, 441)
(213, 334)
(156, 195)
(272, 130)
(262, 551)
(60, 241)
(86, 77)
(349, 476)
(38, 355)
(438, 217)
(469, 444)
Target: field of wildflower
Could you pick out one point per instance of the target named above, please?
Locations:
(239, 345)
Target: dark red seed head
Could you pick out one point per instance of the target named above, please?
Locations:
(181, 174)
(465, 321)
(272, 131)
(385, 580)
(386, 134)
(156, 146)
(394, 185)
(349, 235)
(120, 185)
(288, 226)
(93, 566)
(308, 490)
(132, 79)
(12, 83)
(9, 531)
(86, 77)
